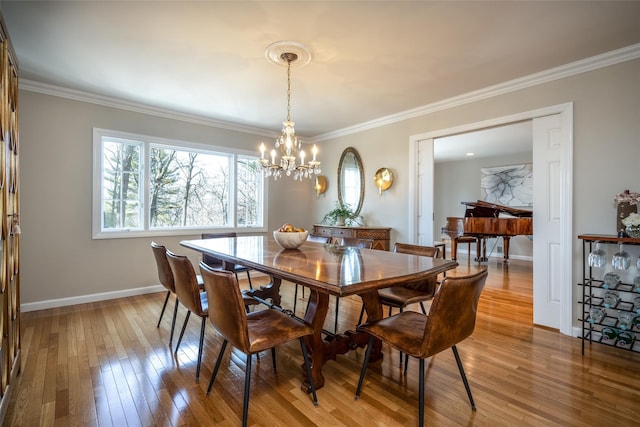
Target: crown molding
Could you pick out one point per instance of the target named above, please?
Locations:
(585, 65)
(106, 101)
(613, 57)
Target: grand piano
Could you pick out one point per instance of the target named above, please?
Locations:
(483, 220)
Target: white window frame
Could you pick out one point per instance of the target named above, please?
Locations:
(145, 230)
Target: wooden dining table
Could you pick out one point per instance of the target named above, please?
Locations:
(325, 270)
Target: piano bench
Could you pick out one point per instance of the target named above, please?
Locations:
(462, 239)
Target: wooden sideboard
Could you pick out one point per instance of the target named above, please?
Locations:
(380, 235)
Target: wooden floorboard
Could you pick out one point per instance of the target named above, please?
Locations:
(106, 364)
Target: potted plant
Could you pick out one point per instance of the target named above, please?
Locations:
(338, 215)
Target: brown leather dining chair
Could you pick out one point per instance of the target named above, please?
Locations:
(451, 319)
(166, 279)
(410, 293)
(250, 333)
(217, 263)
(189, 294)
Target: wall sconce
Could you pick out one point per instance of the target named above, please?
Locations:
(383, 179)
(320, 185)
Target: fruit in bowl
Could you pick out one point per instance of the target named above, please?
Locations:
(290, 237)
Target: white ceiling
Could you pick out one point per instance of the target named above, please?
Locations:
(496, 141)
(371, 59)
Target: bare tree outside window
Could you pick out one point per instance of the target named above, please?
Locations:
(121, 172)
(187, 187)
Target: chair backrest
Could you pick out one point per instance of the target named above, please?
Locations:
(354, 242)
(319, 239)
(428, 285)
(208, 259)
(186, 282)
(406, 248)
(226, 308)
(452, 316)
(164, 269)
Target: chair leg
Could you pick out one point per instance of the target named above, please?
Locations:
(249, 279)
(307, 366)
(422, 307)
(215, 370)
(406, 363)
(184, 326)
(173, 322)
(273, 357)
(295, 298)
(202, 328)
(421, 394)
(464, 377)
(363, 371)
(361, 315)
(247, 387)
(335, 323)
(166, 300)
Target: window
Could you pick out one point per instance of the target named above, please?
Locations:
(150, 186)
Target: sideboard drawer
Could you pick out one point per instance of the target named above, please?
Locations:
(372, 234)
(331, 231)
(379, 235)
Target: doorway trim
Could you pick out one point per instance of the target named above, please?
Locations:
(566, 175)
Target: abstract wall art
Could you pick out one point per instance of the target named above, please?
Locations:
(508, 185)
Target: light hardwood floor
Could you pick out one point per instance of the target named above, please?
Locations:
(107, 364)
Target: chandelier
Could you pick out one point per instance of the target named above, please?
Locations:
(292, 156)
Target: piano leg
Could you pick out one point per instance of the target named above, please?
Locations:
(506, 247)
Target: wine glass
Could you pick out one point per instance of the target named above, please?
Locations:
(624, 320)
(610, 280)
(596, 314)
(611, 299)
(621, 259)
(598, 257)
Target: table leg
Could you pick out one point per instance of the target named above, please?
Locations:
(320, 350)
(317, 309)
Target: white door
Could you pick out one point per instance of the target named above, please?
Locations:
(425, 190)
(548, 286)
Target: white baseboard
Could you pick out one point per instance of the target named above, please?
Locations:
(497, 255)
(63, 302)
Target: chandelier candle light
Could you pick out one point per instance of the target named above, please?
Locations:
(289, 144)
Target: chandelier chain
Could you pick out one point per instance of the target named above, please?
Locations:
(288, 90)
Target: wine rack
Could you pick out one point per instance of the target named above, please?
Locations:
(610, 312)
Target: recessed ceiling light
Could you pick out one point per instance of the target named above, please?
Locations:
(470, 154)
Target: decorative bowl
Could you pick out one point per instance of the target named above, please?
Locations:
(290, 239)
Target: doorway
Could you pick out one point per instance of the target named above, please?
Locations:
(553, 198)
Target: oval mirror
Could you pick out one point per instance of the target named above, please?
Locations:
(351, 180)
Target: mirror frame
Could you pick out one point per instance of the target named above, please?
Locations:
(351, 150)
